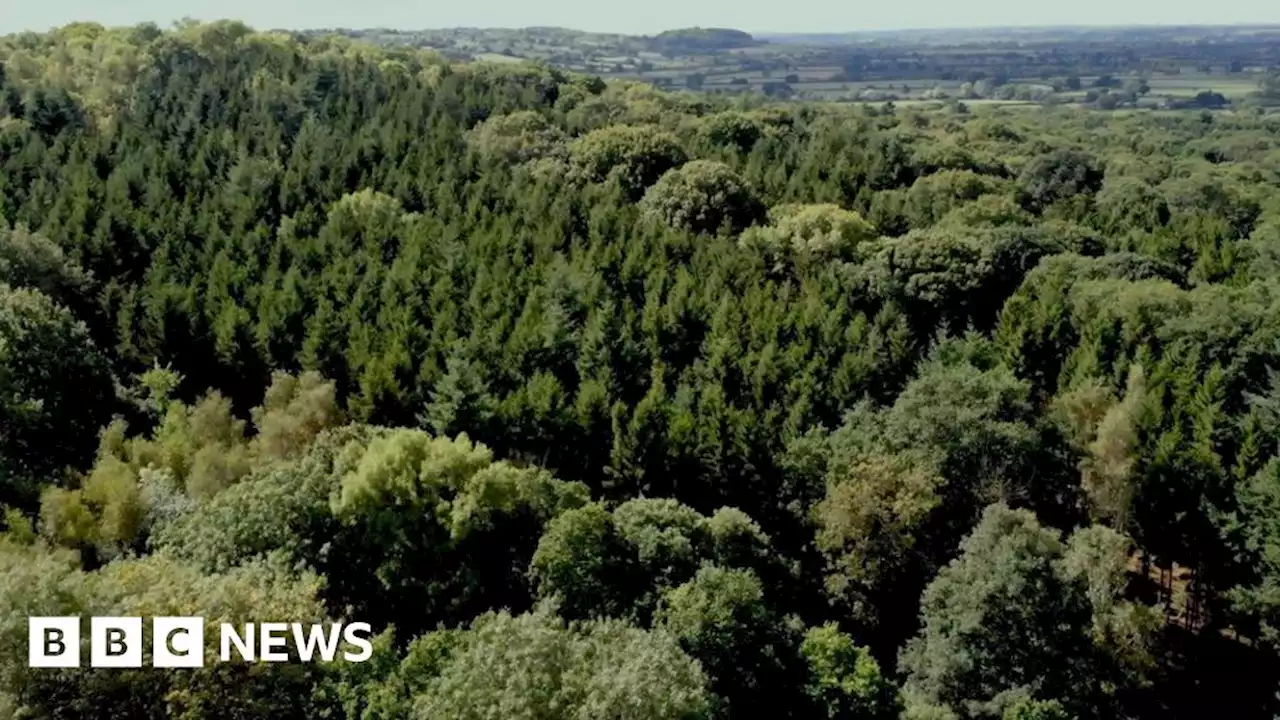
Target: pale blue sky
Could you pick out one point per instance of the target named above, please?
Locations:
(646, 16)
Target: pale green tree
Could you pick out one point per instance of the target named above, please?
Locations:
(534, 666)
(703, 196)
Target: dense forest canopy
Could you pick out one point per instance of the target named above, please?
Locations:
(602, 402)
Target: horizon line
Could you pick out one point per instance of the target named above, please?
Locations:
(794, 33)
(753, 33)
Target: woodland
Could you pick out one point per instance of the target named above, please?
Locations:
(604, 403)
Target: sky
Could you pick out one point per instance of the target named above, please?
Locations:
(645, 17)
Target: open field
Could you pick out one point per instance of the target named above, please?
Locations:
(1104, 68)
(1191, 84)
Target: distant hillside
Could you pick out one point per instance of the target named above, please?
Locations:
(701, 40)
(1103, 68)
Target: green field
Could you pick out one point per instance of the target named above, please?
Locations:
(979, 67)
(1189, 85)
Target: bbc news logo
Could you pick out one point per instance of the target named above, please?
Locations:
(178, 642)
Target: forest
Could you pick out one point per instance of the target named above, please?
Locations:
(600, 402)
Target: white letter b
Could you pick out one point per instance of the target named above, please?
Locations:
(115, 642)
(53, 642)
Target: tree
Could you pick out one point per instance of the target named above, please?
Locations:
(904, 484)
(460, 400)
(1209, 100)
(735, 130)
(1005, 622)
(871, 524)
(844, 680)
(140, 485)
(517, 137)
(435, 531)
(582, 564)
(808, 234)
(30, 260)
(203, 446)
(295, 410)
(53, 111)
(1025, 708)
(55, 392)
(635, 155)
(721, 619)
(1269, 87)
(1137, 86)
(281, 507)
(954, 277)
(1060, 175)
(1107, 470)
(1257, 599)
(593, 563)
(702, 196)
(1050, 347)
(535, 666)
(1129, 203)
(993, 210)
(933, 196)
(1124, 632)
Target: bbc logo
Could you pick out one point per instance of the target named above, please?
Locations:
(176, 642)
